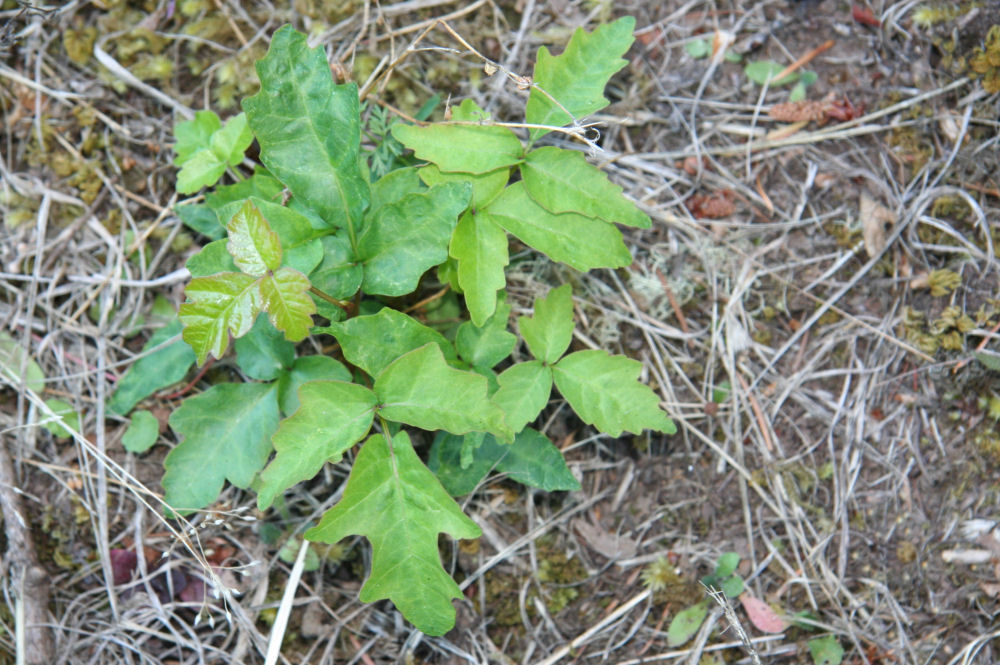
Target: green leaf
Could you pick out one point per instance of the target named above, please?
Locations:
(153, 369)
(989, 359)
(448, 460)
(12, 357)
(686, 624)
(524, 391)
(732, 586)
(697, 49)
(469, 148)
(338, 274)
(373, 342)
(578, 241)
(531, 460)
(218, 305)
(307, 368)
(194, 135)
(201, 218)
(576, 79)
(309, 129)
(480, 247)
(535, 461)
(604, 391)
(333, 416)
(226, 435)
(66, 419)
(394, 501)
(549, 330)
(255, 248)
(564, 181)
(798, 92)
(401, 240)
(142, 432)
(485, 186)
(394, 186)
(211, 259)
(285, 298)
(826, 650)
(487, 345)
(726, 565)
(763, 71)
(263, 352)
(203, 169)
(420, 389)
(231, 142)
(300, 242)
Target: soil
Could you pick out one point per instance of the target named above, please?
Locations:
(797, 305)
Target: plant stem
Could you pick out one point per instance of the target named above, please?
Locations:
(345, 305)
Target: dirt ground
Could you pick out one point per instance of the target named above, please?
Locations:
(816, 303)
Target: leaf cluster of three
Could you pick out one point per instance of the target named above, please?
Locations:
(339, 238)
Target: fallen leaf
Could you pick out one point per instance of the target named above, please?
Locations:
(610, 545)
(864, 16)
(875, 217)
(762, 615)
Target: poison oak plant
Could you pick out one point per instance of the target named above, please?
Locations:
(310, 235)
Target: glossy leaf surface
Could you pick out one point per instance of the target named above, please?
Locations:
(395, 502)
(217, 306)
(285, 297)
(255, 248)
(309, 129)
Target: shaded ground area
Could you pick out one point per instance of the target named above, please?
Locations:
(816, 304)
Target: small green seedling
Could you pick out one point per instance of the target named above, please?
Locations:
(724, 578)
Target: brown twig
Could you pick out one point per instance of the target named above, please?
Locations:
(804, 60)
(31, 581)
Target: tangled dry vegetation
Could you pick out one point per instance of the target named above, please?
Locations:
(816, 303)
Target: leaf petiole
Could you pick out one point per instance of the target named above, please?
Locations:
(345, 305)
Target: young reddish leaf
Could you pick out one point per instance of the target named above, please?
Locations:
(255, 248)
(285, 298)
(394, 501)
(762, 615)
(218, 305)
